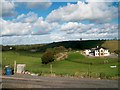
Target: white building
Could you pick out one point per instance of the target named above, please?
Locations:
(99, 51)
(87, 51)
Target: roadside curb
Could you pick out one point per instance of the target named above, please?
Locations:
(8, 77)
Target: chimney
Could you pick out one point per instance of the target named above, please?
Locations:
(97, 46)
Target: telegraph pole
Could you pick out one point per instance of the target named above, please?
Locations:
(89, 71)
(51, 69)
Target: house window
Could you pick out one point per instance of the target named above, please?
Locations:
(96, 50)
(102, 54)
(96, 53)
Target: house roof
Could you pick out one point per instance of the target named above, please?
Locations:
(93, 49)
(100, 48)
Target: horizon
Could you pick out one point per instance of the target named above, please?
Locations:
(58, 42)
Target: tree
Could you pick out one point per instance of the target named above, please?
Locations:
(47, 57)
(59, 49)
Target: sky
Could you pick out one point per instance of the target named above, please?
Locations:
(47, 22)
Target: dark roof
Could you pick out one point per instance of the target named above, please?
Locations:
(100, 48)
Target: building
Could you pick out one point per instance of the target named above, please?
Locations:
(80, 39)
(87, 51)
(98, 51)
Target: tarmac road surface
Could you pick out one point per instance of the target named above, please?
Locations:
(27, 81)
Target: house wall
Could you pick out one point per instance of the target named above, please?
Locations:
(96, 53)
(87, 52)
(101, 52)
(106, 53)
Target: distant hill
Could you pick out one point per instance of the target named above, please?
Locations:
(112, 45)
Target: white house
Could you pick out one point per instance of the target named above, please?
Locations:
(87, 51)
(99, 51)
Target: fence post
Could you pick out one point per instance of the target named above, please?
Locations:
(14, 66)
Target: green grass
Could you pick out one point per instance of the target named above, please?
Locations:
(76, 63)
(77, 57)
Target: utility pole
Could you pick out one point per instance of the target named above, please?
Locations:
(51, 69)
(89, 70)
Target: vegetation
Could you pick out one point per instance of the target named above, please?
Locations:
(51, 53)
(79, 58)
(47, 57)
(74, 65)
(112, 45)
(117, 52)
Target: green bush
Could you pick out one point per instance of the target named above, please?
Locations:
(47, 57)
(59, 49)
(102, 75)
(117, 51)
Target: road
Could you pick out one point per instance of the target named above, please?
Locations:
(55, 82)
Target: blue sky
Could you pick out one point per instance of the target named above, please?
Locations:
(46, 22)
(40, 10)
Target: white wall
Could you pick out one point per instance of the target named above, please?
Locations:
(106, 53)
(87, 51)
(96, 53)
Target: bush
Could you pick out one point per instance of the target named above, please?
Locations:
(47, 57)
(102, 75)
(117, 51)
(59, 49)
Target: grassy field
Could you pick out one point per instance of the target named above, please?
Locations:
(75, 65)
(112, 45)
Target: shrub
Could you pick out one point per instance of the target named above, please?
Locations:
(59, 49)
(102, 75)
(117, 51)
(47, 57)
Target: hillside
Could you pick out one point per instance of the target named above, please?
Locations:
(112, 45)
(75, 64)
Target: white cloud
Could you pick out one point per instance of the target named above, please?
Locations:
(69, 26)
(10, 28)
(98, 12)
(75, 27)
(43, 32)
(89, 27)
(28, 39)
(42, 27)
(102, 0)
(38, 5)
(30, 17)
(7, 8)
(26, 24)
(89, 31)
(107, 31)
(57, 36)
